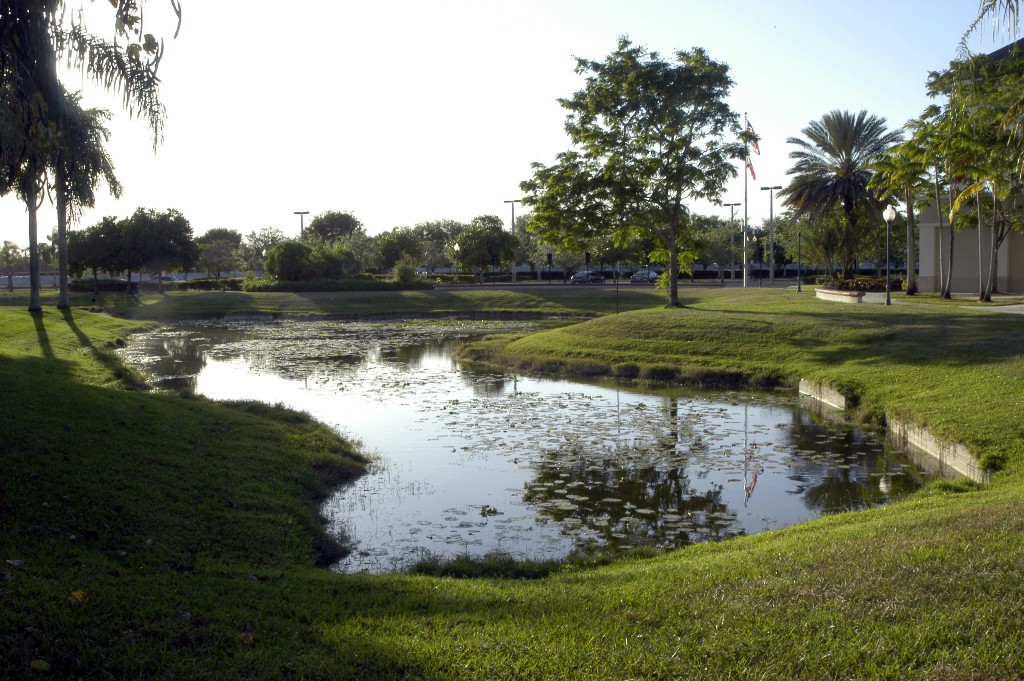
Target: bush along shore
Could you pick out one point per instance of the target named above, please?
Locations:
(155, 536)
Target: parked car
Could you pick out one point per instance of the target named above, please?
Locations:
(586, 278)
(644, 277)
(167, 279)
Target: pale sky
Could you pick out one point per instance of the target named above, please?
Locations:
(413, 110)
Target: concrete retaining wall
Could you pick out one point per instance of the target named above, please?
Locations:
(837, 296)
(823, 393)
(946, 456)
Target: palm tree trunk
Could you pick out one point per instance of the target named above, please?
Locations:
(35, 303)
(981, 271)
(947, 286)
(64, 300)
(938, 235)
(911, 250)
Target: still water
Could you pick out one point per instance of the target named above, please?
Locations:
(471, 462)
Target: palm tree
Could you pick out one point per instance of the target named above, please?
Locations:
(833, 166)
(33, 102)
(901, 168)
(78, 166)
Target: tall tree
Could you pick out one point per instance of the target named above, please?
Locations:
(218, 250)
(33, 105)
(832, 167)
(485, 243)
(158, 241)
(255, 246)
(399, 243)
(79, 164)
(650, 136)
(11, 255)
(332, 226)
(902, 169)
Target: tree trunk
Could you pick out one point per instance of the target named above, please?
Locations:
(63, 300)
(981, 272)
(947, 287)
(673, 276)
(35, 303)
(911, 250)
(938, 235)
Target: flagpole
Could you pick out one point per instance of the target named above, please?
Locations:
(746, 160)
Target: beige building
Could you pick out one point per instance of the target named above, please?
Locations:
(1009, 263)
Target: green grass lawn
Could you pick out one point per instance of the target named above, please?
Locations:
(154, 536)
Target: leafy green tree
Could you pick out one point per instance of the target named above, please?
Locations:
(157, 241)
(289, 260)
(220, 234)
(394, 245)
(332, 226)
(832, 168)
(650, 136)
(252, 252)
(96, 249)
(218, 250)
(34, 106)
(485, 243)
(435, 238)
(902, 169)
(713, 244)
(982, 93)
(11, 256)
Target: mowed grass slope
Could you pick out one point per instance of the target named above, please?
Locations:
(152, 536)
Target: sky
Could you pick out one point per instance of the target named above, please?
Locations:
(406, 111)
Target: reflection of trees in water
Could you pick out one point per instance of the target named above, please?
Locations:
(176, 360)
(417, 354)
(678, 434)
(622, 501)
(843, 469)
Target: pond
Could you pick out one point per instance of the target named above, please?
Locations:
(470, 461)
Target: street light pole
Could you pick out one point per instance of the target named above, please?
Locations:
(302, 217)
(512, 230)
(771, 231)
(889, 214)
(732, 253)
(514, 202)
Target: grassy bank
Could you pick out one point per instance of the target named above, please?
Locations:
(553, 300)
(152, 536)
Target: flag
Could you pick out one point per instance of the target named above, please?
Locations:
(753, 139)
(750, 167)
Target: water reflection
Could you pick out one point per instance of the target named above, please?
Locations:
(473, 461)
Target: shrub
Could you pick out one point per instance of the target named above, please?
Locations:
(360, 283)
(225, 284)
(866, 284)
(405, 271)
(289, 261)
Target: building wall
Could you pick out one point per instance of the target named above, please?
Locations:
(1009, 263)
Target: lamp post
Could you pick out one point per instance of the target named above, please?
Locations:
(302, 218)
(514, 202)
(889, 214)
(732, 253)
(512, 230)
(771, 230)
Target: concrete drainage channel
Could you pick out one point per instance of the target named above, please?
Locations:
(945, 455)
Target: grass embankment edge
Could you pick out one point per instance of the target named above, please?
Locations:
(137, 565)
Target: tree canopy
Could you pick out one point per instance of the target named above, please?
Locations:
(832, 167)
(649, 135)
(332, 226)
